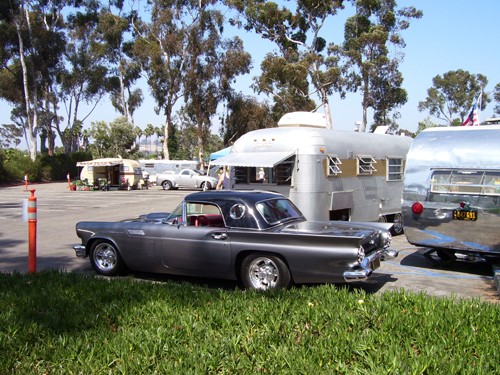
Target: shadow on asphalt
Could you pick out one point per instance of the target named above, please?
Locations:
(467, 265)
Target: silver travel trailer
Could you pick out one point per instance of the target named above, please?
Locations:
(329, 174)
(451, 194)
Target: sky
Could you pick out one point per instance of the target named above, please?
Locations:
(451, 35)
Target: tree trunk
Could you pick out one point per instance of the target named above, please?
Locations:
(166, 155)
(328, 115)
(31, 122)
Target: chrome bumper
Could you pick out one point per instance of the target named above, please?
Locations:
(370, 263)
(80, 250)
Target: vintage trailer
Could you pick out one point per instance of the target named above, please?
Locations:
(328, 174)
(111, 172)
(451, 194)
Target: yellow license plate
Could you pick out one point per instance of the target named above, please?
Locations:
(464, 215)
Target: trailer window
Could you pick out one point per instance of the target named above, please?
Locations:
(333, 165)
(466, 182)
(365, 165)
(394, 169)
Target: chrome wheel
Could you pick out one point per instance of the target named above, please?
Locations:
(105, 259)
(265, 272)
(397, 228)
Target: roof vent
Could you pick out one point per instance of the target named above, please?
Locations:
(303, 119)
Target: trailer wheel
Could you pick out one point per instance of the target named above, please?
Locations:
(166, 185)
(397, 228)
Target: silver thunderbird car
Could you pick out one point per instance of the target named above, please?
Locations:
(259, 238)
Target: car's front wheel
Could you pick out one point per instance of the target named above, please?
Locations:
(265, 272)
(106, 259)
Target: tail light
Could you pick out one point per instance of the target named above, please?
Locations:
(417, 208)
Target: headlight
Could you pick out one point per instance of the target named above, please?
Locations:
(361, 254)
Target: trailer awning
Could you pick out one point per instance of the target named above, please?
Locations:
(99, 163)
(220, 153)
(253, 159)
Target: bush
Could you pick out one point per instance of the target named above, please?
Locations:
(15, 164)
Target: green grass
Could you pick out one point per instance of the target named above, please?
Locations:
(60, 323)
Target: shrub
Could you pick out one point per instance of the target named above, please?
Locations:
(15, 164)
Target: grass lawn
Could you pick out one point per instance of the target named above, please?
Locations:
(64, 323)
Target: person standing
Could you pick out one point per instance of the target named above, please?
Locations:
(224, 182)
(261, 176)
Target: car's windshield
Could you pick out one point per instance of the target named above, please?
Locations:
(175, 216)
(276, 210)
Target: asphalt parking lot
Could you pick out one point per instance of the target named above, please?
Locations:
(59, 209)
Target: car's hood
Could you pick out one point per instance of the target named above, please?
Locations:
(337, 228)
(151, 217)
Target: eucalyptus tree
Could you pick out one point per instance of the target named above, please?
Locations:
(160, 47)
(452, 95)
(386, 94)
(187, 61)
(496, 96)
(113, 139)
(84, 77)
(302, 59)
(211, 67)
(365, 53)
(115, 36)
(245, 114)
(31, 46)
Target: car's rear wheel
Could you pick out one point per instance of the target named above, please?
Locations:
(166, 185)
(265, 272)
(106, 259)
(397, 228)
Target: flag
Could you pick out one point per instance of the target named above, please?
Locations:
(473, 117)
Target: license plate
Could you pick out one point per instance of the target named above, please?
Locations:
(375, 263)
(464, 215)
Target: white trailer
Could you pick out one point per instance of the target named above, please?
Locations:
(451, 195)
(328, 174)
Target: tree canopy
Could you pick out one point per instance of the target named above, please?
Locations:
(58, 58)
(451, 97)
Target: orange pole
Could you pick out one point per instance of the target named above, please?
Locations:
(32, 221)
(26, 182)
(69, 181)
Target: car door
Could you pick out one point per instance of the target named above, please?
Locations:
(186, 179)
(196, 250)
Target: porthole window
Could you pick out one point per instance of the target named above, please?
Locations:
(237, 211)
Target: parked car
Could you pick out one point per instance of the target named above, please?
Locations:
(258, 238)
(186, 178)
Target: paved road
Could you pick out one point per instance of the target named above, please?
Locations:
(59, 209)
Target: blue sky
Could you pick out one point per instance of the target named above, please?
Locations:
(452, 34)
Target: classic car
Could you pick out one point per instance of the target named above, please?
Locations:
(259, 238)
